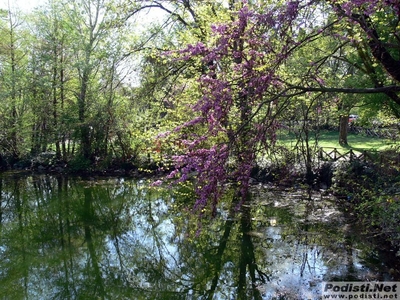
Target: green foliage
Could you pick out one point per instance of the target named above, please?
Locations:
(79, 164)
(371, 193)
(355, 179)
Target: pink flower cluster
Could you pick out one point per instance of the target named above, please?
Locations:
(240, 76)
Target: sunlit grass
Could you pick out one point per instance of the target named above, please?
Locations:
(330, 140)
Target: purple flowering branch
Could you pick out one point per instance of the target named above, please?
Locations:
(242, 91)
(240, 74)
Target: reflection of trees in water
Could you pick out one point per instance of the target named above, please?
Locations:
(49, 221)
(244, 260)
(66, 239)
(306, 247)
(13, 241)
(248, 260)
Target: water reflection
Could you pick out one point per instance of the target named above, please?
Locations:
(66, 238)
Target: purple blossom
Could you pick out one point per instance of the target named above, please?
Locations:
(292, 9)
(219, 29)
(157, 183)
(163, 134)
(245, 57)
(198, 49)
(320, 80)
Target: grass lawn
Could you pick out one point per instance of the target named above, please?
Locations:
(330, 139)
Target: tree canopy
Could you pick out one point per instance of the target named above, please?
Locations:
(255, 65)
(206, 84)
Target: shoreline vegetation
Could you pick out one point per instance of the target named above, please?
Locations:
(367, 192)
(151, 161)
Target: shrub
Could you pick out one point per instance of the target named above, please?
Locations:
(80, 164)
(372, 192)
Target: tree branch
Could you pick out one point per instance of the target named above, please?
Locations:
(376, 90)
(378, 49)
(300, 90)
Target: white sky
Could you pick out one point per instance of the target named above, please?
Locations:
(25, 5)
(28, 5)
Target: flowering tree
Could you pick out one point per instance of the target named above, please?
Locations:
(235, 114)
(244, 86)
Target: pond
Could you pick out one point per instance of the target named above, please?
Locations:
(116, 238)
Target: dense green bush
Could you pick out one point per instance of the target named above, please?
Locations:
(371, 191)
(79, 164)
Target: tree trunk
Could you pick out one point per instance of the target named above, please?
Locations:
(13, 59)
(85, 146)
(343, 125)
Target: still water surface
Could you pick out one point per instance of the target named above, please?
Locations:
(69, 238)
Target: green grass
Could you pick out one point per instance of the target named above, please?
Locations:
(330, 139)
